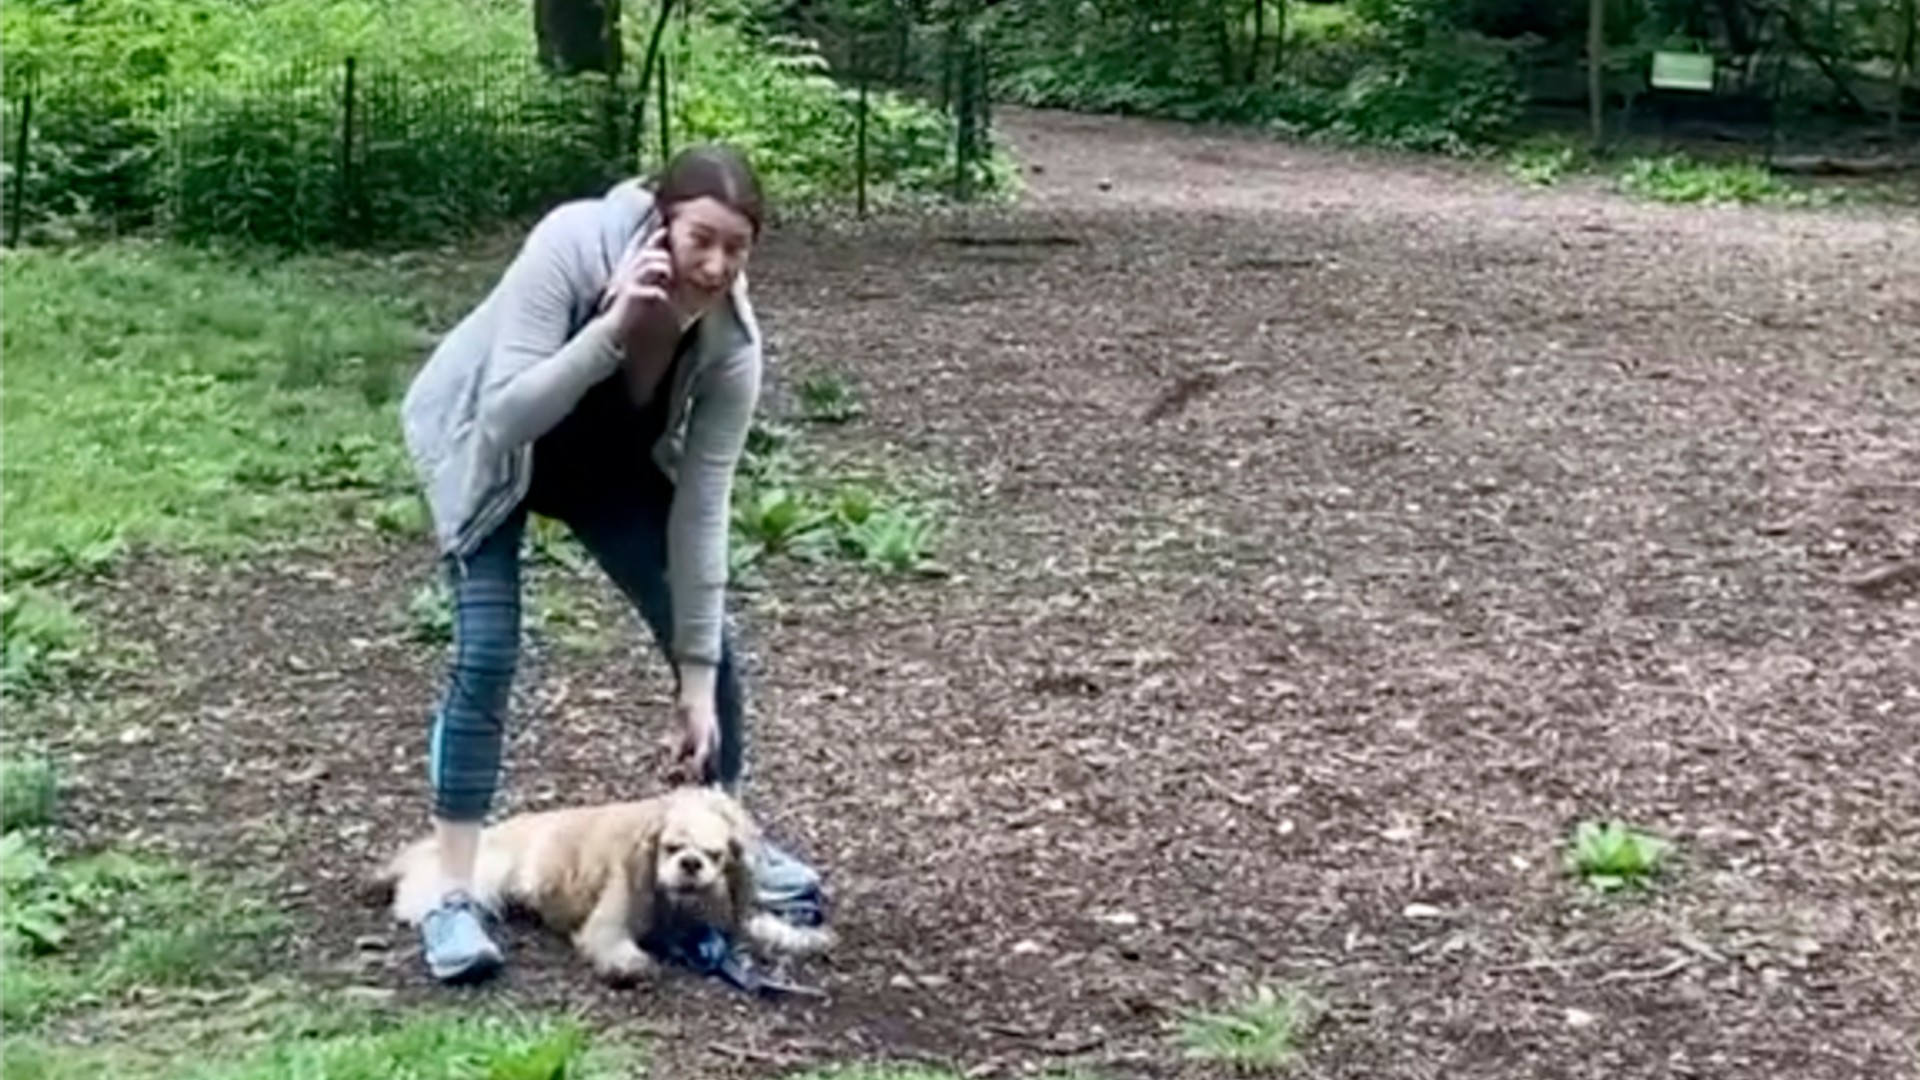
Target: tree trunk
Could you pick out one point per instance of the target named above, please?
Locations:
(1903, 68)
(647, 65)
(578, 35)
(1279, 36)
(1822, 59)
(1255, 52)
(1223, 38)
(1739, 23)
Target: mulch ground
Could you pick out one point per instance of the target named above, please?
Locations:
(1335, 533)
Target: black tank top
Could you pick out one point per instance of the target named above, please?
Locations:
(603, 449)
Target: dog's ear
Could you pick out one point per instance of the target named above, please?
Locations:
(643, 862)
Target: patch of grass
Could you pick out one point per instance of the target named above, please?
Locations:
(1257, 1033)
(155, 394)
(401, 515)
(427, 617)
(1674, 178)
(29, 789)
(96, 926)
(332, 1040)
(1545, 161)
(1611, 856)
(828, 398)
(44, 640)
(431, 1047)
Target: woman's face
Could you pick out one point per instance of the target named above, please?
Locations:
(710, 242)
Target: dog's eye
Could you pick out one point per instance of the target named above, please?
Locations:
(675, 849)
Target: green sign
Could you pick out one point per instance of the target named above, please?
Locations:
(1683, 71)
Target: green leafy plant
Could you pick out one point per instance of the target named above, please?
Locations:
(88, 550)
(1259, 1032)
(1676, 179)
(43, 640)
(38, 908)
(1542, 163)
(897, 540)
(1611, 855)
(828, 398)
(779, 518)
(853, 503)
(401, 515)
(769, 451)
(552, 542)
(429, 613)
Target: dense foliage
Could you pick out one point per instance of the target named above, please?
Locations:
(1449, 75)
(208, 118)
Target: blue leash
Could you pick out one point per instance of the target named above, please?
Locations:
(711, 952)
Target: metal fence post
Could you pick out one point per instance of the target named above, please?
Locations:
(666, 122)
(17, 207)
(346, 192)
(860, 154)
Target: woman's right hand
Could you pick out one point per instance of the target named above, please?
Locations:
(638, 290)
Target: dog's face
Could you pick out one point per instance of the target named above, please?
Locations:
(701, 851)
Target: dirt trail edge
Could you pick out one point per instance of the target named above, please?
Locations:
(1333, 532)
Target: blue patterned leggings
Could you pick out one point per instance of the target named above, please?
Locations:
(628, 540)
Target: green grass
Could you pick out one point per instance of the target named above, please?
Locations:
(29, 790)
(1548, 159)
(1674, 178)
(333, 1040)
(190, 400)
(213, 403)
(81, 929)
(139, 967)
(1260, 1032)
(44, 641)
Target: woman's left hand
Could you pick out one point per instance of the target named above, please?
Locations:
(698, 738)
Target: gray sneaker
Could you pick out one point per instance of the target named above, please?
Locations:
(455, 942)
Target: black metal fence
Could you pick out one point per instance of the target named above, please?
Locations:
(345, 153)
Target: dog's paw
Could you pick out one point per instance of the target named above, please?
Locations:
(622, 963)
(775, 936)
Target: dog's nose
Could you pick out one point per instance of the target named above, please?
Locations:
(689, 864)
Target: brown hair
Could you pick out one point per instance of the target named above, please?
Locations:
(711, 170)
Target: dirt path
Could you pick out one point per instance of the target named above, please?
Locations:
(1337, 532)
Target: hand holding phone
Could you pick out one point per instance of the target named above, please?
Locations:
(641, 286)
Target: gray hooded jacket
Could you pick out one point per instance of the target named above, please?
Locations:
(520, 360)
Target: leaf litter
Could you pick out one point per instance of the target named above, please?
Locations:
(1482, 513)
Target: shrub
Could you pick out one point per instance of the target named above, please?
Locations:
(1394, 72)
(210, 119)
